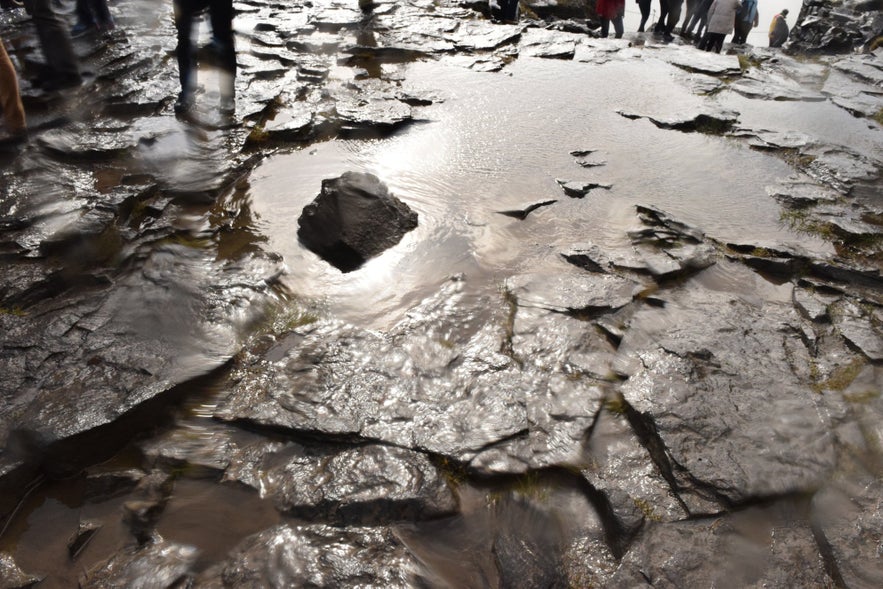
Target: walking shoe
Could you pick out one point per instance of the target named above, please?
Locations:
(184, 103)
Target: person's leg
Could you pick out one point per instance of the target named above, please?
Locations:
(718, 42)
(56, 44)
(674, 15)
(100, 10)
(605, 27)
(663, 13)
(221, 14)
(644, 6)
(184, 52)
(10, 99)
(617, 26)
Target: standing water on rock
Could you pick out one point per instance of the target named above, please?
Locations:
(560, 311)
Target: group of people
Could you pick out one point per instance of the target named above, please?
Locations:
(62, 69)
(712, 19)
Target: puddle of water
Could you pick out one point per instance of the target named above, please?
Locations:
(499, 141)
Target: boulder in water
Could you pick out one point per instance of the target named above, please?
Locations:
(353, 219)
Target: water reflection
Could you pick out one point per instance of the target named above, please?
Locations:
(490, 147)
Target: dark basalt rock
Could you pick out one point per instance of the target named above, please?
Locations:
(694, 394)
(12, 577)
(317, 556)
(704, 553)
(830, 26)
(353, 219)
(524, 210)
(156, 565)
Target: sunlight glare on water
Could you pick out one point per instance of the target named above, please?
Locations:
(500, 141)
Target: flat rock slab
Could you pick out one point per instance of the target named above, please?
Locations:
(702, 62)
(849, 519)
(572, 293)
(429, 386)
(12, 577)
(317, 556)
(714, 553)
(367, 484)
(703, 387)
(156, 565)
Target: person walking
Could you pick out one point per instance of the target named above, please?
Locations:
(779, 29)
(10, 98)
(698, 19)
(221, 17)
(721, 18)
(746, 19)
(62, 70)
(92, 15)
(610, 11)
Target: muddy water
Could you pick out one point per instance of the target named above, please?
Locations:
(499, 141)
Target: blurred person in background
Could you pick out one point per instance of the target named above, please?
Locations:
(746, 19)
(10, 99)
(222, 48)
(92, 16)
(610, 11)
(779, 29)
(62, 70)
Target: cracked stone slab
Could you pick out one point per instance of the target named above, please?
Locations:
(428, 384)
(366, 484)
(156, 565)
(566, 293)
(317, 556)
(717, 553)
(703, 387)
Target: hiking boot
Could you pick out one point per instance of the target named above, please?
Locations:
(184, 103)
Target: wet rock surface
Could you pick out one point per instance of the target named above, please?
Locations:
(621, 390)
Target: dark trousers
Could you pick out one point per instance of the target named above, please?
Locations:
(712, 42)
(54, 39)
(508, 10)
(673, 15)
(93, 12)
(617, 26)
(644, 6)
(221, 17)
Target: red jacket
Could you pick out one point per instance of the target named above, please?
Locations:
(609, 9)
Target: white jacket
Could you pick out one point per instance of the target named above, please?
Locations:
(722, 16)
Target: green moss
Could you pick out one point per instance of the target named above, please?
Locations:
(616, 404)
(842, 376)
(285, 318)
(188, 241)
(879, 116)
(647, 510)
(14, 311)
(863, 397)
(258, 134)
(530, 485)
(453, 472)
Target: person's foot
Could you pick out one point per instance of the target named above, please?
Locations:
(184, 103)
(668, 37)
(227, 106)
(81, 29)
(107, 26)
